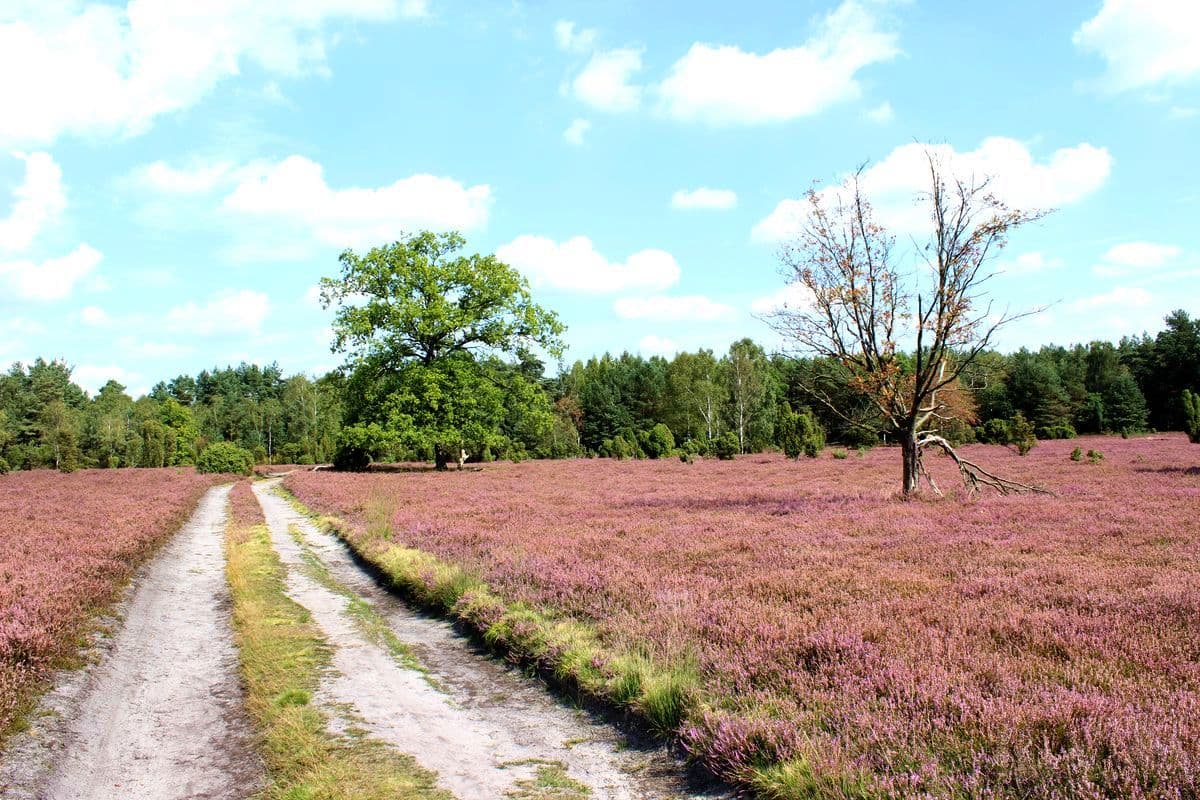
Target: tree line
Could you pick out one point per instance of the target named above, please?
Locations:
(696, 403)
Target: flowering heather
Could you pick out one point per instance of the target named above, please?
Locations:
(1021, 646)
(244, 508)
(67, 545)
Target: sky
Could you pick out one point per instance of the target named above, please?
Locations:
(176, 177)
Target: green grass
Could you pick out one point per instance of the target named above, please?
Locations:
(550, 783)
(282, 656)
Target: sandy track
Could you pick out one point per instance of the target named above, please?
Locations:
(161, 716)
(485, 727)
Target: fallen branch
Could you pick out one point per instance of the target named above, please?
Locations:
(974, 476)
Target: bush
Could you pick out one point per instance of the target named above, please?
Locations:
(1077, 454)
(659, 441)
(686, 457)
(1060, 431)
(725, 446)
(1095, 456)
(617, 447)
(4, 468)
(225, 457)
(1021, 434)
(994, 431)
(839, 454)
(359, 445)
(1191, 415)
(800, 433)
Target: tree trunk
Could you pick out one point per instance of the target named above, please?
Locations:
(911, 455)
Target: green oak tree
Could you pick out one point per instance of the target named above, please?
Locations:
(414, 318)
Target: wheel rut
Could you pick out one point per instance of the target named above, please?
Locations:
(410, 680)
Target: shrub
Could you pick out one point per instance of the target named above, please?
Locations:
(617, 447)
(800, 433)
(839, 454)
(1191, 415)
(4, 468)
(862, 451)
(659, 441)
(1021, 434)
(686, 457)
(1060, 431)
(225, 457)
(359, 445)
(994, 431)
(1077, 454)
(1095, 456)
(725, 446)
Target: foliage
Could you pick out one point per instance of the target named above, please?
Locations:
(225, 457)
(1191, 414)
(800, 433)
(726, 446)
(659, 442)
(1021, 435)
(417, 323)
(1077, 454)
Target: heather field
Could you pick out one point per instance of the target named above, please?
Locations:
(1023, 646)
(68, 543)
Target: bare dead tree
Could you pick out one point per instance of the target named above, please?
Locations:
(901, 340)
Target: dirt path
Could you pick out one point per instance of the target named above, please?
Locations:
(486, 730)
(161, 715)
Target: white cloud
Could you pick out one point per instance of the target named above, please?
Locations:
(657, 346)
(295, 189)
(574, 265)
(605, 83)
(704, 198)
(95, 316)
(1141, 254)
(38, 201)
(576, 131)
(892, 185)
(1121, 297)
(1183, 112)
(21, 326)
(1145, 42)
(52, 279)
(673, 309)
(97, 69)
(881, 114)
(199, 178)
(724, 85)
(227, 312)
(573, 40)
(140, 348)
(92, 377)
(1030, 264)
(792, 297)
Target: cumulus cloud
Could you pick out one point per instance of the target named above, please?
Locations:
(1135, 257)
(1145, 43)
(1067, 176)
(1030, 264)
(92, 377)
(575, 266)
(572, 39)
(198, 178)
(1120, 297)
(657, 346)
(704, 198)
(724, 85)
(576, 131)
(673, 309)
(95, 317)
(792, 297)
(229, 312)
(881, 114)
(606, 82)
(295, 189)
(50, 279)
(109, 70)
(37, 201)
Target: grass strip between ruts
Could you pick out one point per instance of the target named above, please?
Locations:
(283, 655)
(664, 696)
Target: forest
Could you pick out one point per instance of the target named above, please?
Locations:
(696, 403)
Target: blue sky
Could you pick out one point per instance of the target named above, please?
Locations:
(176, 177)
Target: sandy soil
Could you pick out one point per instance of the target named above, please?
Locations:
(480, 725)
(161, 715)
